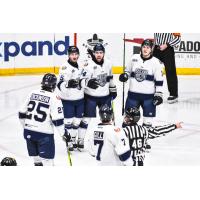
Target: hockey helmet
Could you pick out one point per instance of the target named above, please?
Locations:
(73, 49)
(8, 161)
(99, 47)
(49, 82)
(132, 115)
(148, 42)
(105, 113)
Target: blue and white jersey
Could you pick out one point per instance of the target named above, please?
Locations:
(41, 112)
(103, 73)
(146, 76)
(110, 146)
(67, 72)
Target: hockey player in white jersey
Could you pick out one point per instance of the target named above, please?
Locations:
(101, 89)
(39, 115)
(109, 143)
(72, 95)
(146, 81)
(138, 135)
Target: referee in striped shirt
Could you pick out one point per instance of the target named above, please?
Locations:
(164, 51)
(138, 135)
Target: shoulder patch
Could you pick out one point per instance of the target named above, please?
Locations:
(117, 130)
(85, 63)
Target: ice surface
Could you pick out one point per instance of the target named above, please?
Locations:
(181, 147)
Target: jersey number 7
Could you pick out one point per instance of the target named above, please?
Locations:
(100, 143)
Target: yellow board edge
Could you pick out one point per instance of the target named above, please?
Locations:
(55, 69)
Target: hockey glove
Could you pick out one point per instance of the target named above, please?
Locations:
(66, 136)
(72, 83)
(113, 92)
(93, 83)
(123, 77)
(158, 98)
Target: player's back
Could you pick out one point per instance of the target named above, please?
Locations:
(107, 149)
(40, 108)
(138, 136)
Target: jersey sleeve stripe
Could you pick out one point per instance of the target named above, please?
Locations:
(125, 156)
(22, 115)
(158, 83)
(58, 122)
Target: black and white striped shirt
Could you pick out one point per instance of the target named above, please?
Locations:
(138, 136)
(172, 39)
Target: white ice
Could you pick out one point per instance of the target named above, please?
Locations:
(181, 147)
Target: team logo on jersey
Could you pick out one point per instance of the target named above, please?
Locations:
(140, 74)
(102, 78)
(85, 63)
(134, 60)
(73, 70)
(95, 67)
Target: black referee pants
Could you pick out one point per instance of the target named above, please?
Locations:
(168, 58)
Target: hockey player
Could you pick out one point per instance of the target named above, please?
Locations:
(72, 95)
(41, 112)
(138, 135)
(110, 144)
(146, 81)
(102, 89)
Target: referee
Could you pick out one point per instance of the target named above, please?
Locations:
(138, 135)
(164, 51)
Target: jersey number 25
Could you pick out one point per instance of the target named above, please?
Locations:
(32, 106)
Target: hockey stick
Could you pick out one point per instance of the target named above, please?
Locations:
(69, 155)
(123, 72)
(112, 104)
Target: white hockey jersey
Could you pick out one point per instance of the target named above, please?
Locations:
(110, 146)
(146, 77)
(67, 72)
(103, 74)
(42, 111)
